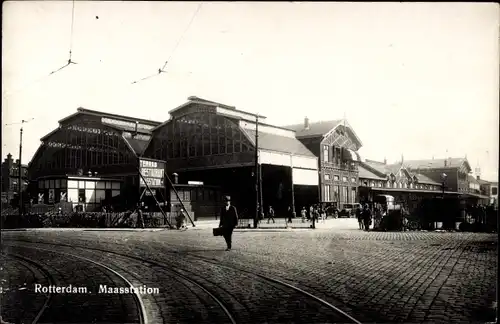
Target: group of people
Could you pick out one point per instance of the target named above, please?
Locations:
(367, 216)
(315, 213)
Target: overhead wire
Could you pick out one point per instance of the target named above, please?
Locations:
(70, 61)
(162, 69)
(70, 43)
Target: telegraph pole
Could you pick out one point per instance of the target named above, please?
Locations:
(20, 186)
(257, 173)
(20, 173)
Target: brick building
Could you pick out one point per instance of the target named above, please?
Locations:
(10, 178)
(336, 145)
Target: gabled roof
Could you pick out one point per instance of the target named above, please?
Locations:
(386, 169)
(378, 167)
(319, 128)
(425, 179)
(435, 163)
(365, 173)
(84, 111)
(279, 143)
(473, 179)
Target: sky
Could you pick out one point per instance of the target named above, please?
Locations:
(417, 80)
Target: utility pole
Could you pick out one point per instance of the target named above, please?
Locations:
(256, 173)
(20, 186)
(20, 173)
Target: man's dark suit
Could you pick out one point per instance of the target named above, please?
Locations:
(228, 221)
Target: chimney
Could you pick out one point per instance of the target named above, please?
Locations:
(306, 123)
(445, 162)
(136, 127)
(385, 160)
(478, 177)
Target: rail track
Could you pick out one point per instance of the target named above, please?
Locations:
(29, 264)
(321, 309)
(50, 310)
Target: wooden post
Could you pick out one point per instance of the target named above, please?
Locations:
(154, 197)
(256, 173)
(293, 191)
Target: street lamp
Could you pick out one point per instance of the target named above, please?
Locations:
(443, 181)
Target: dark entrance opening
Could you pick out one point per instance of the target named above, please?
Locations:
(239, 183)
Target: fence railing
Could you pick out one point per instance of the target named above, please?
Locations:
(88, 220)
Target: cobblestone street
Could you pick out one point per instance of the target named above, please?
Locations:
(373, 276)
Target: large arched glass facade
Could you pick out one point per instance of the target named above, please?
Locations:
(84, 144)
(187, 141)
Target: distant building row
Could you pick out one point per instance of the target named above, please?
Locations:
(216, 144)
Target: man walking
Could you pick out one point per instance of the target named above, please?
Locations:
(270, 214)
(367, 217)
(228, 221)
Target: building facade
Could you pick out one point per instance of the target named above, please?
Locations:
(216, 144)
(10, 178)
(95, 144)
(336, 145)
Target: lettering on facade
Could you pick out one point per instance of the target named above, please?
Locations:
(153, 173)
(124, 123)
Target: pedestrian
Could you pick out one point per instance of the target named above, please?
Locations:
(303, 214)
(359, 216)
(322, 214)
(291, 214)
(140, 216)
(270, 214)
(367, 217)
(228, 221)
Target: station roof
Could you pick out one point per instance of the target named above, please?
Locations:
(279, 143)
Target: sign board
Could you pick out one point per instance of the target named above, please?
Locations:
(153, 171)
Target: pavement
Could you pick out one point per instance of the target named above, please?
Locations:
(279, 225)
(382, 277)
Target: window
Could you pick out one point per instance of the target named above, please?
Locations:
(326, 151)
(494, 191)
(326, 192)
(336, 178)
(380, 184)
(353, 180)
(344, 179)
(327, 176)
(335, 193)
(81, 195)
(344, 194)
(353, 195)
(372, 184)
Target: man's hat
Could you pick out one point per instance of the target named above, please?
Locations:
(227, 198)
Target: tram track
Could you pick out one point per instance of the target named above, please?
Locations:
(178, 277)
(311, 304)
(60, 302)
(46, 274)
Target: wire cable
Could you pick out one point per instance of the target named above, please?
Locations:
(162, 70)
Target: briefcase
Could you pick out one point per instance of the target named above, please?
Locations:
(217, 231)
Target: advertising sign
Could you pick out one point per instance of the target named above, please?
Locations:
(63, 196)
(40, 198)
(153, 172)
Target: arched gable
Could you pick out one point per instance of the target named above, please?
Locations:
(196, 135)
(82, 144)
